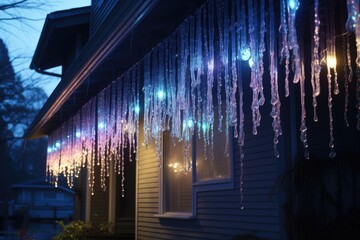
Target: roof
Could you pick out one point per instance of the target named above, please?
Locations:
(59, 30)
(40, 184)
(131, 30)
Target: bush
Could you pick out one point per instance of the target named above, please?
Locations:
(79, 230)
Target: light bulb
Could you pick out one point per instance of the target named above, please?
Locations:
(293, 4)
(190, 123)
(101, 125)
(245, 54)
(251, 62)
(211, 65)
(161, 94)
(137, 109)
(331, 62)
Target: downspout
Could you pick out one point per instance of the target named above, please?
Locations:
(38, 70)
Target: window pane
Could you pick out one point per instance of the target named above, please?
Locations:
(177, 184)
(219, 167)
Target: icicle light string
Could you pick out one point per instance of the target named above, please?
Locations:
(315, 59)
(177, 80)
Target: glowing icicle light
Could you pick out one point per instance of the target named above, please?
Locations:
(137, 109)
(101, 125)
(78, 134)
(275, 99)
(161, 94)
(284, 52)
(353, 15)
(245, 54)
(331, 65)
(251, 63)
(331, 62)
(211, 65)
(315, 59)
(293, 4)
(190, 123)
(293, 41)
(348, 74)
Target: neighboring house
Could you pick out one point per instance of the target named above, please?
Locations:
(38, 199)
(130, 88)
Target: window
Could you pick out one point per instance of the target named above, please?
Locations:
(211, 170)
(215, 163)
(177, 185)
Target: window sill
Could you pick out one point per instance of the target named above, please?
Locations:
(176, 215)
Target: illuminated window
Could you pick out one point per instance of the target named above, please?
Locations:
(177, 184)
(214, 164)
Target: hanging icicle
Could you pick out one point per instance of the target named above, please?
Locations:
(292, 7)
(315, 59)
(331, 66)
(177, 81)
(353, 25)
(284, 53)
(275, 99)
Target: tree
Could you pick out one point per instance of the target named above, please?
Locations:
(20, 100)
(18, 107)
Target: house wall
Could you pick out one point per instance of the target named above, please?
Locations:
(99, 202)
(219, 213)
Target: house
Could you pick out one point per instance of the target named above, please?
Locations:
(194, 119)
(38, 199)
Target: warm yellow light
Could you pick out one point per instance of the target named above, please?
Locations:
(331, 62)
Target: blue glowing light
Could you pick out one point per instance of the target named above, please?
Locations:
(49, 150)
(245, 54)
(101, 125)
(251, 62)
(78, 134)
(161, 94)
(293, 4)
(57, 144)
(190, 123)
(204, 126)
(137, 109)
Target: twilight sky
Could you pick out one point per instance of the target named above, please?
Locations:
(21, 39)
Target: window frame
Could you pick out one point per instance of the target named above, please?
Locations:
(196, 187)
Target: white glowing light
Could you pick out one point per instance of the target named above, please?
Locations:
(57, 144)
(331, 61)
(293, 4)
(78, 134)
(211, 65)
(101, 125)
(190, 123)
(161, 94)
(251, 62)
(137, 109)
(49, 150)
(204, 126)
(245, 54)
